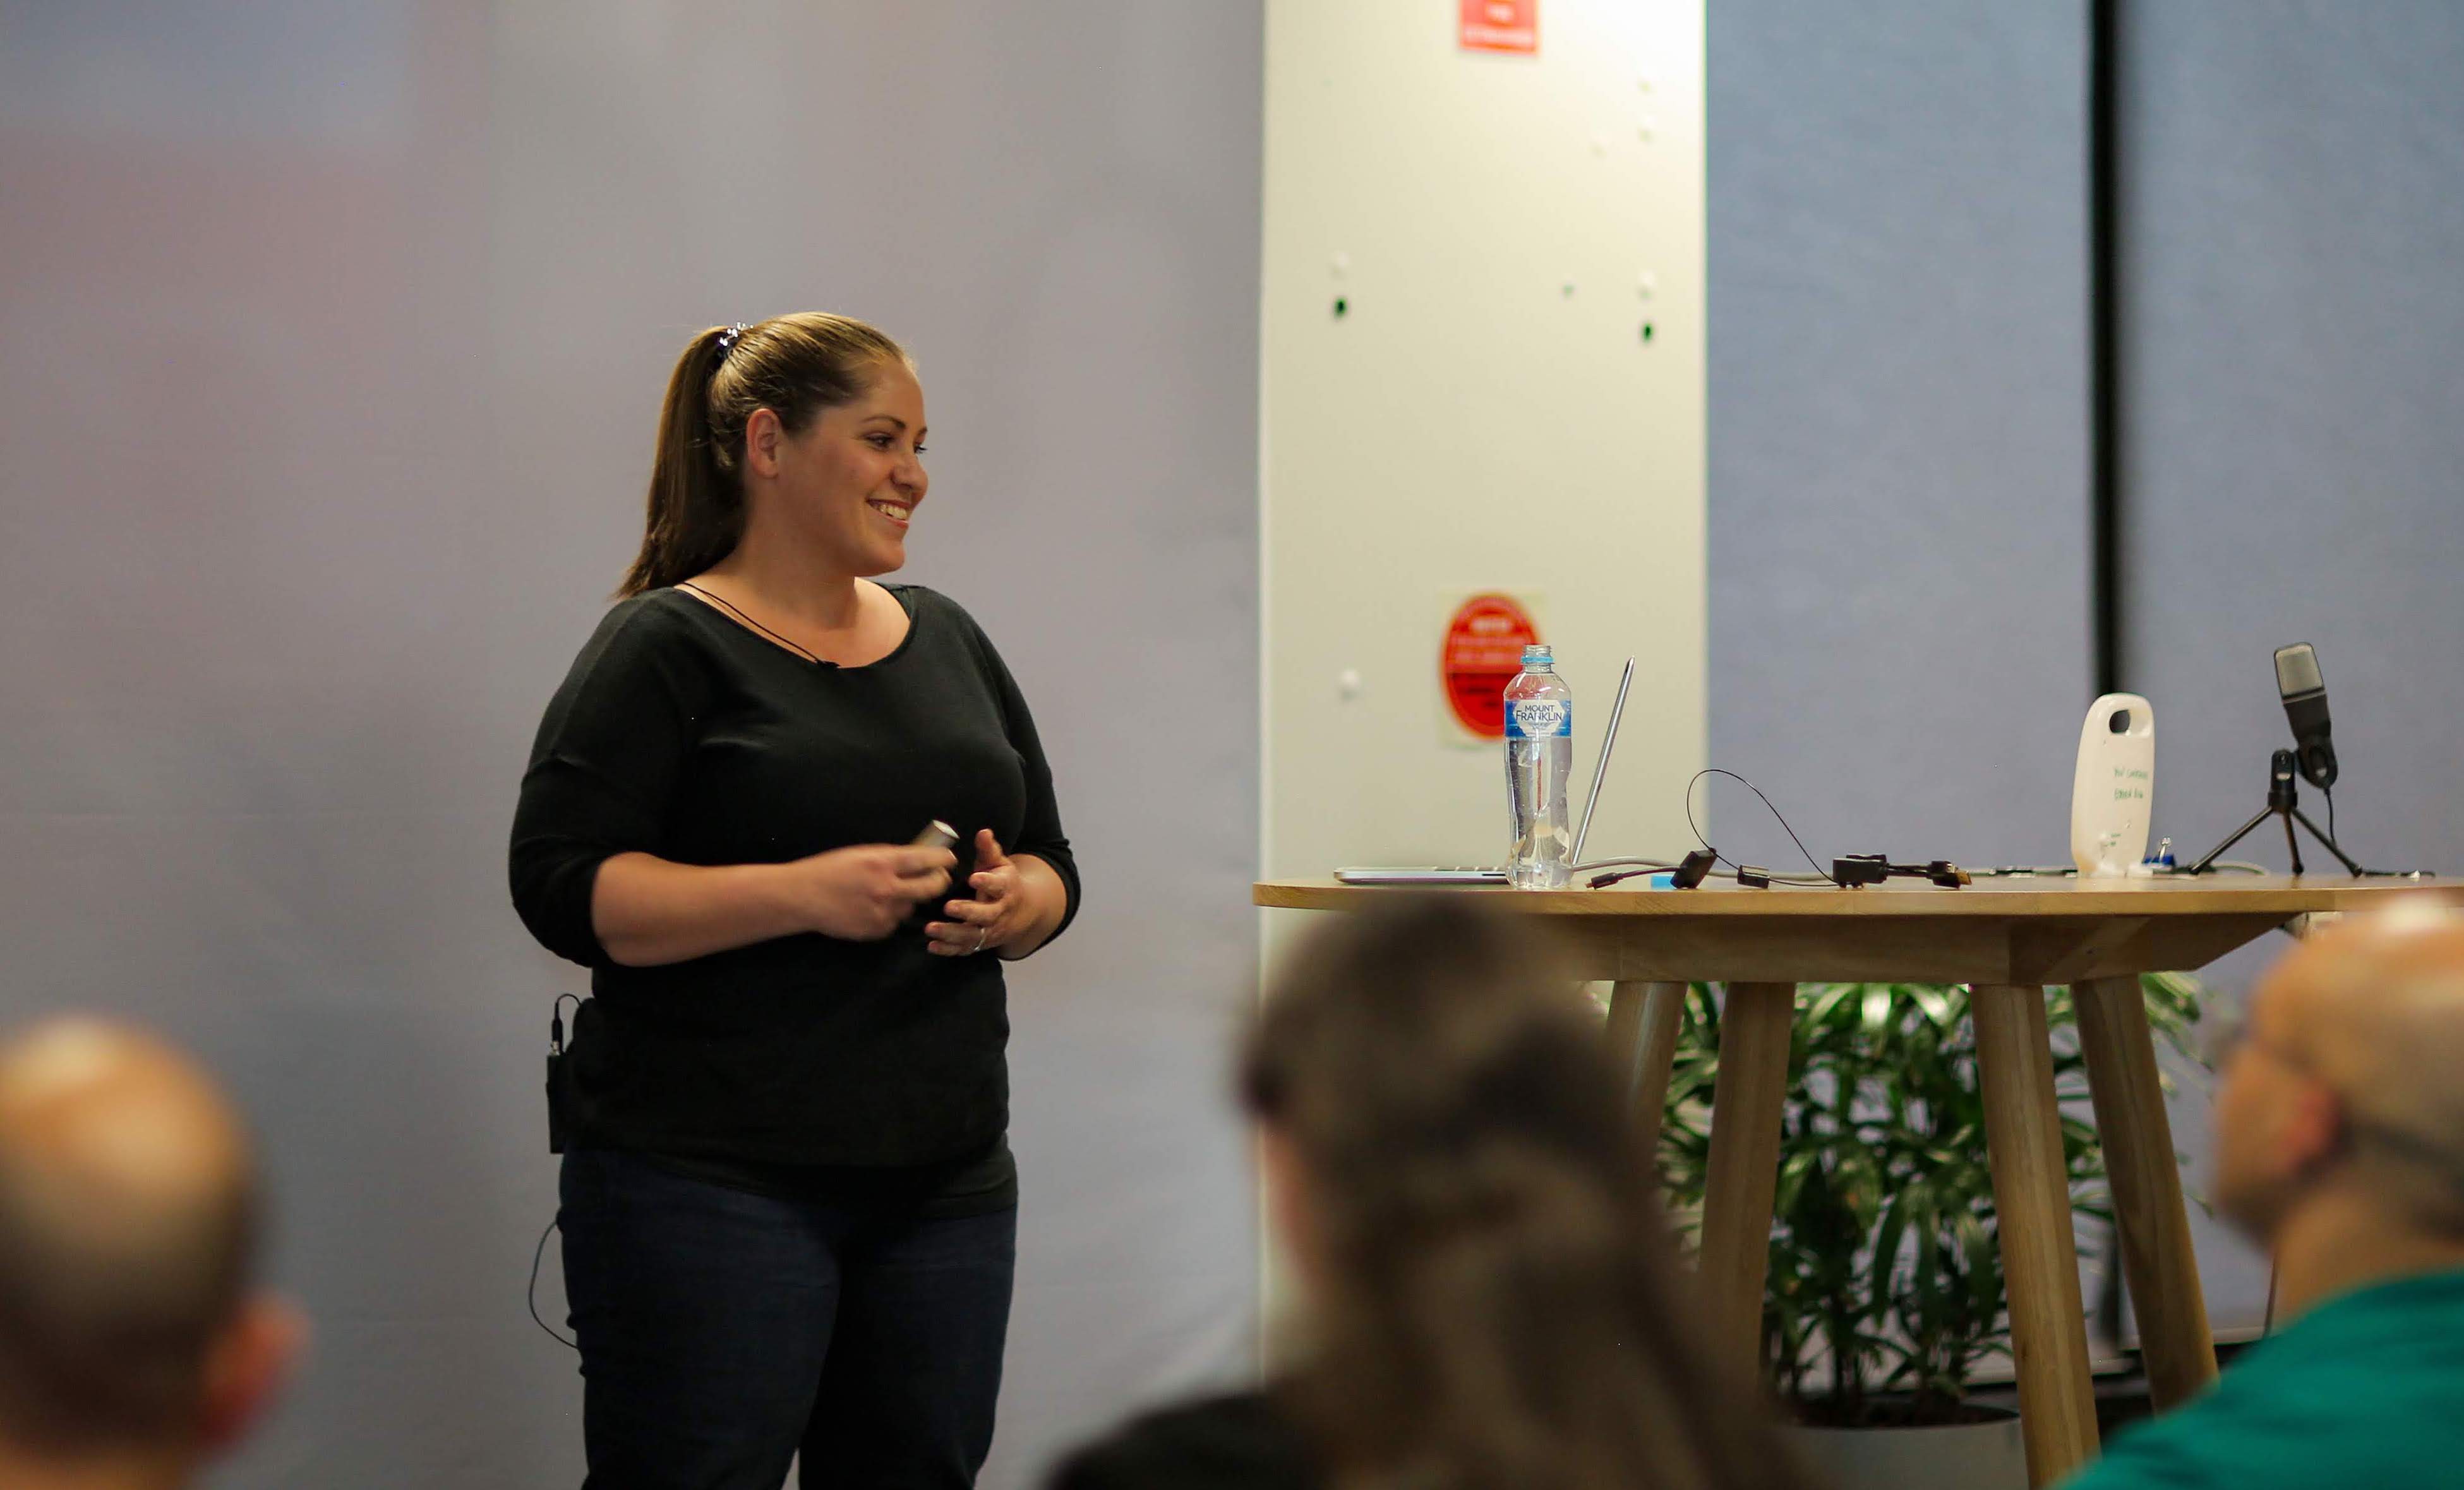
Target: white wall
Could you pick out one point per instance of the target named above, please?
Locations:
(1486, 415)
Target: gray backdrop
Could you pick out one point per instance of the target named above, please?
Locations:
(2294, 430)
(1899, 614)
(331, 341)
(1899, 569)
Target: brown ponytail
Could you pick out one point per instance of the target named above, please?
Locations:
(1496, 1300)
(794, 367)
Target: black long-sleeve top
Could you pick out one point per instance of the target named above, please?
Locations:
(683, 735)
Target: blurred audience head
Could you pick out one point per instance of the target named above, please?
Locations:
(1488, 1295)
(132, 1344)
(2341, 1102)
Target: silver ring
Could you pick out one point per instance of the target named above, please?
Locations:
(979, 942)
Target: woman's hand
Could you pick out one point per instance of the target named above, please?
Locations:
(1017, 903)
(862, 894)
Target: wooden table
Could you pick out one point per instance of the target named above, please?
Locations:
(2007, 938)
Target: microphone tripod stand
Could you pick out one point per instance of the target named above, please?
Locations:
(2283, 801)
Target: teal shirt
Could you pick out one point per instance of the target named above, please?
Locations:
(2365, 1390)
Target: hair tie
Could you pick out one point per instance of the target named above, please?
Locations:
(727, 339)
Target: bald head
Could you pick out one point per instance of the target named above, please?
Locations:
(126, 1211)
(2377, 1007)
(2363, 1027)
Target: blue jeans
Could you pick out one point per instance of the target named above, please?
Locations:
(724, 1332)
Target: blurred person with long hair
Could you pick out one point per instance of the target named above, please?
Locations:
(1487, 1296)
(789, 1204)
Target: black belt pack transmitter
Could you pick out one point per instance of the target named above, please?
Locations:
(560, 1082)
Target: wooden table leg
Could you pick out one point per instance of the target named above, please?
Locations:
(2146, 1179)
(1746, 1101)
(1644, 1019)
(2031, 1198)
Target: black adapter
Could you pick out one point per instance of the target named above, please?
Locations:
(1689, 874)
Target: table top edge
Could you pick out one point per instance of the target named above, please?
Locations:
(2243, 895)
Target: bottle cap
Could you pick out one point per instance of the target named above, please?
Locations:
(1537, 654)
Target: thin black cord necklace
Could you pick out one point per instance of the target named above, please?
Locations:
(737, 612)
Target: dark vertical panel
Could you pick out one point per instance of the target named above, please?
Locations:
(2104, 310)
(1899, 534)
(2294, 189)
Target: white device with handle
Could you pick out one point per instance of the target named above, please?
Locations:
(2114, 785)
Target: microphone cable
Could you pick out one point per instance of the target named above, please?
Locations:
(1821, 876)
(531, 1296)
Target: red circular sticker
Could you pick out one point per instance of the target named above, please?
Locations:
(1482, 652)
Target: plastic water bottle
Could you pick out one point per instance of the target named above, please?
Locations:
(1539, 756)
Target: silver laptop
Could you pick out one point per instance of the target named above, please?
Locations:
(1476, 874)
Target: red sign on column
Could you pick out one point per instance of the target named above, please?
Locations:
(1501, 24)
(1482, 653)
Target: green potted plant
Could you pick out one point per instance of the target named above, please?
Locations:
(1885, 1292)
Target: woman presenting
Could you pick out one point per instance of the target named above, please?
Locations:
(789, 1208)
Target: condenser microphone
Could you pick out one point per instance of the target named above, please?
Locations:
(2305, 708)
